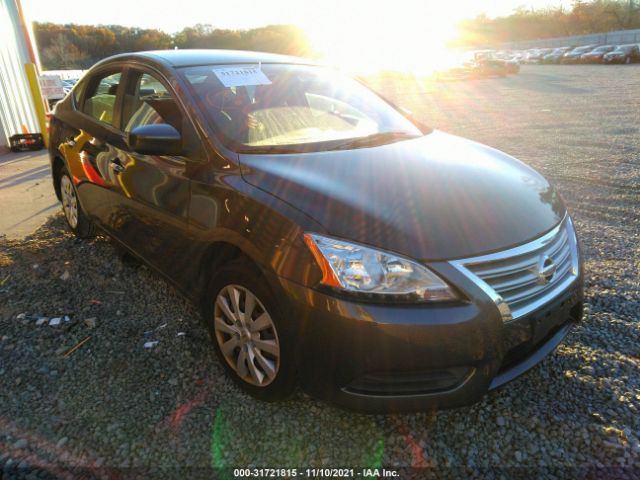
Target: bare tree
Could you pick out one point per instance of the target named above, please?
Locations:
(62, 54)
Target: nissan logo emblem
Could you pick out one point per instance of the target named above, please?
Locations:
(545, 269)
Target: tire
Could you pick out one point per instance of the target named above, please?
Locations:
(266, 369)
(76, 218)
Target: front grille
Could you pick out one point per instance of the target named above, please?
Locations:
(528, 276)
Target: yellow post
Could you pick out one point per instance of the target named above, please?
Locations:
(38, 102)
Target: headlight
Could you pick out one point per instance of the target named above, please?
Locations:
(374, 273)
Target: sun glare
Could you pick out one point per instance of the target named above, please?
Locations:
(365, 43)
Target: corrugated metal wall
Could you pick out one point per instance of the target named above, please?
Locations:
(16, 105)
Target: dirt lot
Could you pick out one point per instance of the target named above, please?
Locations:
(114, 407)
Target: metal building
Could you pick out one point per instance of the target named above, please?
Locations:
(17, 110)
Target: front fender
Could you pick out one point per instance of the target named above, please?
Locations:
(264, 228)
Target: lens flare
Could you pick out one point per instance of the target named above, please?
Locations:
(363, 40)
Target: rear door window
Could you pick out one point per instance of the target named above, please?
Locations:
(78, 88)
(100, 101)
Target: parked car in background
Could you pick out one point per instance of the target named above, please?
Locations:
(513, 65)
(68, 84)
(623, 54)
(485, 63)
(327, 236)
(597, 54)
(555, 55)
(511, 61)
(573, 56)
(519, 56)
(528, 54)
(538, 54)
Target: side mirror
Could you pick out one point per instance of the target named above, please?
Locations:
(158, 139)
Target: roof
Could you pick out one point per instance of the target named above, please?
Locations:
(185, 58)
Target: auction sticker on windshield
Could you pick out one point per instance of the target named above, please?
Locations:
(241, 76)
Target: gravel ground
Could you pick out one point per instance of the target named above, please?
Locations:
(114, 408)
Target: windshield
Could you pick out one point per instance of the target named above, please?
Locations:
(603, 49)
(624, 48)
(255, 107)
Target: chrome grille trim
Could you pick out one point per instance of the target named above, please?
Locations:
(511, 278)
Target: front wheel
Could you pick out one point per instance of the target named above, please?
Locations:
(76, 218)
(250, 333)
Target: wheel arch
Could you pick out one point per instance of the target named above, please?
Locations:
(216, 255)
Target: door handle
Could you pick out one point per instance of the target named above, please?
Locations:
(116, 166)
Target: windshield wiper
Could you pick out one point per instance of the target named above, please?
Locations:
(376, 139)
(270, 149)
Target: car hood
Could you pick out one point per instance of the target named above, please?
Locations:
(435, 197)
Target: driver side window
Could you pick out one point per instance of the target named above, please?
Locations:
(148, 102)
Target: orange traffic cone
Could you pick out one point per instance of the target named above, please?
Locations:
(28, 140)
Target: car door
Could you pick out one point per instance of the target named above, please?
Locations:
(153, 193)
(96, 141)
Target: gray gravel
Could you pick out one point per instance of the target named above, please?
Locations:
(113, 406)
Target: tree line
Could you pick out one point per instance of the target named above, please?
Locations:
(581, 18)
(73, 46)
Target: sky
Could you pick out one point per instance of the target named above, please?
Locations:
(350, 33)
(240, 14)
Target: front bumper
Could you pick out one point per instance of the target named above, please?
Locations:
(376, 358)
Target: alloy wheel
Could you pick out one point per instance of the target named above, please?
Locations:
(246, 335)
(69, 201)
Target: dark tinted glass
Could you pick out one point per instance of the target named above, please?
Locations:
(148, 103)
(101, 101)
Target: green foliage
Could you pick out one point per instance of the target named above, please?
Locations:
(80, 46)
(528, 24)
(285, 39)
